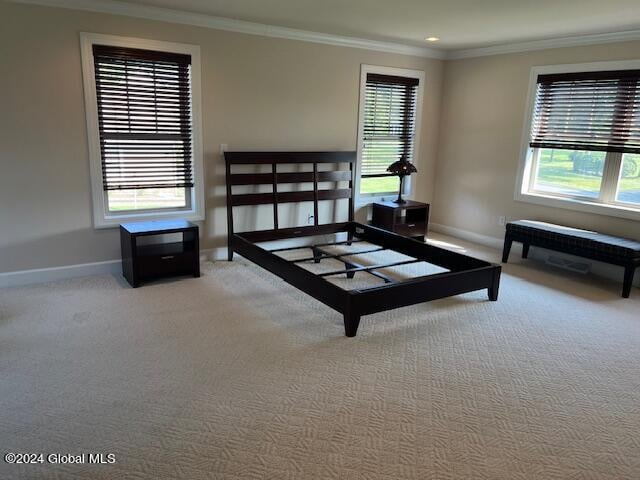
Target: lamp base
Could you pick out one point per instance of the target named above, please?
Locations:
(399, 200)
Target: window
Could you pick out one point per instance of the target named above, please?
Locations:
(143, 128)
(583, 148)
(390, 102)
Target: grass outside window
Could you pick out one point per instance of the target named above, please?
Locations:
(582, 174)
(379, 185)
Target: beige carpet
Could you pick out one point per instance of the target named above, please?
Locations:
(237, 375)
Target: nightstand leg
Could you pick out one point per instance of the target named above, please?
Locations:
(127, 250)
(196, 270)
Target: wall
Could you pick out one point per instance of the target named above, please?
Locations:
(483, 107)
(258, 93)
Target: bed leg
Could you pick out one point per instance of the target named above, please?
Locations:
(351, 322)
(495, 285)
(347, 266)
(349, 238)
(316, 253)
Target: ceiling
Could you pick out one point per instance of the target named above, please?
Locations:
(460, 24)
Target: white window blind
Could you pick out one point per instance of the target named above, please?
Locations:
(144, 117)
(595, 111)
(389, 122)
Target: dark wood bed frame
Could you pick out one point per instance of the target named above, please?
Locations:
(466, 273)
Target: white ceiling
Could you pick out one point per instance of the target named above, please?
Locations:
(460, 24)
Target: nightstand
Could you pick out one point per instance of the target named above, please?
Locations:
(145, 257)
(410, 219)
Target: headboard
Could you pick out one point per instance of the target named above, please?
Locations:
(274, 178)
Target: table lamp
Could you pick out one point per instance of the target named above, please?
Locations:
(402, 168)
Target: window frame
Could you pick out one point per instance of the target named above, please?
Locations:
(369, 198)
(606, 204)
(102, 216)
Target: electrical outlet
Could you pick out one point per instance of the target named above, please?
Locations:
(310, 219)
(502, 220)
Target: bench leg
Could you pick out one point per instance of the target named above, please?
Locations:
(351, 323)
(629, 272)
(525, 250)
(492, 291)
(506, 249)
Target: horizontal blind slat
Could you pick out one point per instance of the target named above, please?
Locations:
(597, 111)
(389, 122)
(144, 117)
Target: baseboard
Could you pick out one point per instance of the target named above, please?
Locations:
(213, 254)
(109, 267)
(41, 275)
(484, 240)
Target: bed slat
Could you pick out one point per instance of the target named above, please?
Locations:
(269, 235)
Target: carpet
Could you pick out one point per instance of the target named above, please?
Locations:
(237, 375)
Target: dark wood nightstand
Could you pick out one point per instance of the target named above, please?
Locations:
(410, 219)
(143, 258)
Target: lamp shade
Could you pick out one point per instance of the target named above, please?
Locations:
(402, 167)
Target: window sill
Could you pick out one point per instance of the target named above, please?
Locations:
(579, 205)
(113, 221)
(368, 200)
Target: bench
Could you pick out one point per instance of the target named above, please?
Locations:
(582, 243)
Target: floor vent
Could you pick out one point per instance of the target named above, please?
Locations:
(568, 264)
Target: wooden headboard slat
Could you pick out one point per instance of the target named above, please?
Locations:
(289, 177)
(288, 197)
(255, 158)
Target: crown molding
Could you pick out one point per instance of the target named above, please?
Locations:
(573, 41)
(116, 7)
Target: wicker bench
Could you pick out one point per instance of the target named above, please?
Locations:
(583, 243)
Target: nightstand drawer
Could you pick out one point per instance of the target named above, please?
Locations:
(409, 219)
(166, 265)
(411, 229)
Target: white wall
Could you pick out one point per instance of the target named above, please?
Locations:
(481, 126)
(258, 93)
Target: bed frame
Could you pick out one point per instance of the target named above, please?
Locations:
(466, 273)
